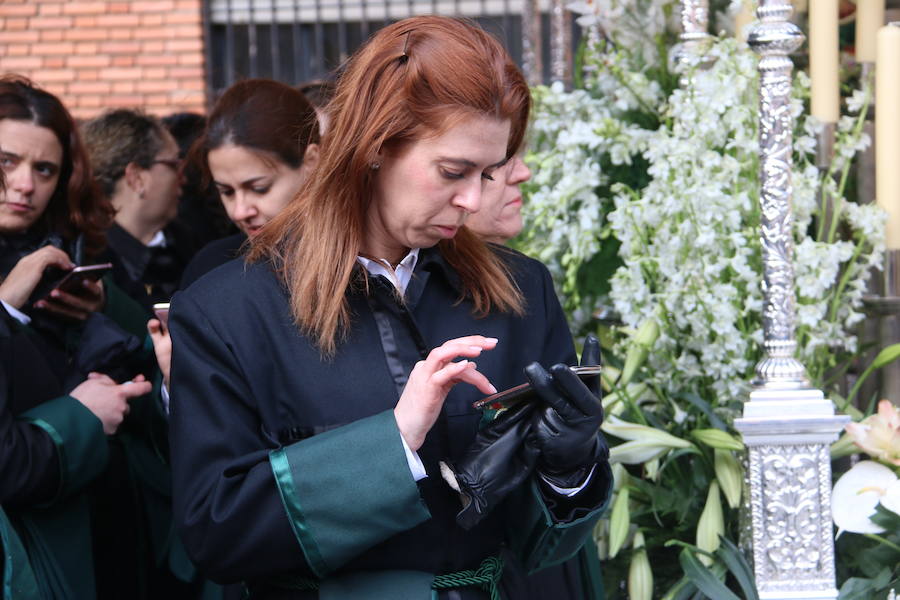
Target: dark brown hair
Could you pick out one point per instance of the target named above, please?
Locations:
(75, 206)
(413, 79)
(269, 117)
(120, 137)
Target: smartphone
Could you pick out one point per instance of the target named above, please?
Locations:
(512, 396)
(68, 281)
(161, 310)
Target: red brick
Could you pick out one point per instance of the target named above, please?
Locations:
(121, 34)
(124, 100)
(154, 33)
(50, 8)
(90, 101)
(157, 59)
(155, 72)
(160, 85)
(123, 87)
(57, 88)
(19, 37)
(183, 18)
(118, 7)
(88, 75)
(120, 47)
(53, 48)
(42, 75)
(186, 73)
(118, 20)
(15, 24)
(190, 59)
(84, 8)
(123, 60)
(159, 100)
(18, 50)
(99, 60)
(20, 63)
(17, 10)
(51, 22)
(186, 31)
(188, 5)
(119, 73)
(85, 34)
(51, 35)
(82, 21)
(151, 20)
(89, 87)
(153, 46)
(86, 48)
(184, 46)
(152, 6)
(55, 62)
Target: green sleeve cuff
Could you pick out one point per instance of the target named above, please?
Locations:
(79, 439)
(347, 489)
(539, 538)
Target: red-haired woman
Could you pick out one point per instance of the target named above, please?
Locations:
(64, 485)
(321, 445)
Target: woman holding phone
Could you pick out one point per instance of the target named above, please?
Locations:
(322, 444)
(73, 406)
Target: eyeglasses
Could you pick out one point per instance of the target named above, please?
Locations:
(172, 163)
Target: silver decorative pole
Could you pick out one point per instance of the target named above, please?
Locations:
(694, 29)
(787, 424)
(532, 50)
(561, 43)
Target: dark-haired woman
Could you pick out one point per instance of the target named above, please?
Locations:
(72, 391)
(322, 444)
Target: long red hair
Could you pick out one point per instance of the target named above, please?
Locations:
(413, 79)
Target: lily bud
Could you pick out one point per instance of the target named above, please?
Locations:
(643, 341)
(711, 524)
(730, 476)
(619, 520)
(640, 576)
(716, 438)
(646, 443)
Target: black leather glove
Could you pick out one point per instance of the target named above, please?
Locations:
(567, 424)
(495, 463)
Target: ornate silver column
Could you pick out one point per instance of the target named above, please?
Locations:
(694, 29)
(561, 43)
(532, 49)
(787, 424)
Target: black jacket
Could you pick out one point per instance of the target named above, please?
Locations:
(249, 390)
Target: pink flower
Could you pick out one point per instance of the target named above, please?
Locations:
(879, 434)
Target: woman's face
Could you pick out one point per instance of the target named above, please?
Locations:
(253, 189)
(425, 191)
(31, 158)
(160, 202)
(500, 217)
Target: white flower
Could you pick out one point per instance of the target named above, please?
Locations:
(858, 492)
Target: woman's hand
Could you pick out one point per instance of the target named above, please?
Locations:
(25, 276)
(431, 380)
(109, 400)
(162, 346)
(77, 307)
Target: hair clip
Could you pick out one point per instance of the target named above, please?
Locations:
(405, 57)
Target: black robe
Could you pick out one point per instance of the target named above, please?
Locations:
(285, 463)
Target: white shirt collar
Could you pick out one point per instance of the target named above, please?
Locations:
(400, 276)
(158, 241)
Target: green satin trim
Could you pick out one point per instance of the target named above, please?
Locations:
(281, 468)
(60, 444)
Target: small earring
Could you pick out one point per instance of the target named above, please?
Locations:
(375, 166)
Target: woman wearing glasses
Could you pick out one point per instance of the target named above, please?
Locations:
(135, 161)
(324, 439)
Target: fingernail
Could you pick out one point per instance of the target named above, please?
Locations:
(54, 294)
(492, 388)
(463, 362)
(40, 304)
(495, 340)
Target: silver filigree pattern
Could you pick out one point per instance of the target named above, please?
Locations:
(773, 38)
(790, 503)
(532, 49)
(694, 29)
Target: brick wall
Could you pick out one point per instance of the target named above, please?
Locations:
(104, 54)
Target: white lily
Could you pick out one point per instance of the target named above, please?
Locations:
(858, 492)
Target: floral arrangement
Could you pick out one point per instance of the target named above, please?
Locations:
(645, 199)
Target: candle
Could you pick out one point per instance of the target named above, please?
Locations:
(823, 60)
(745, 16)
(869, 19)
(887, 129)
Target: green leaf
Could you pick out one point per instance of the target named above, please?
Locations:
(682, 590)
(705, 408)
(886, 518)
(886, 356)
(704, 578)
(739, 567)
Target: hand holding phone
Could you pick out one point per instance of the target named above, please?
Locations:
(161, 310)
(512, 396)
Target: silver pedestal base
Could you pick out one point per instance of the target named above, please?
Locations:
(788, 434)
